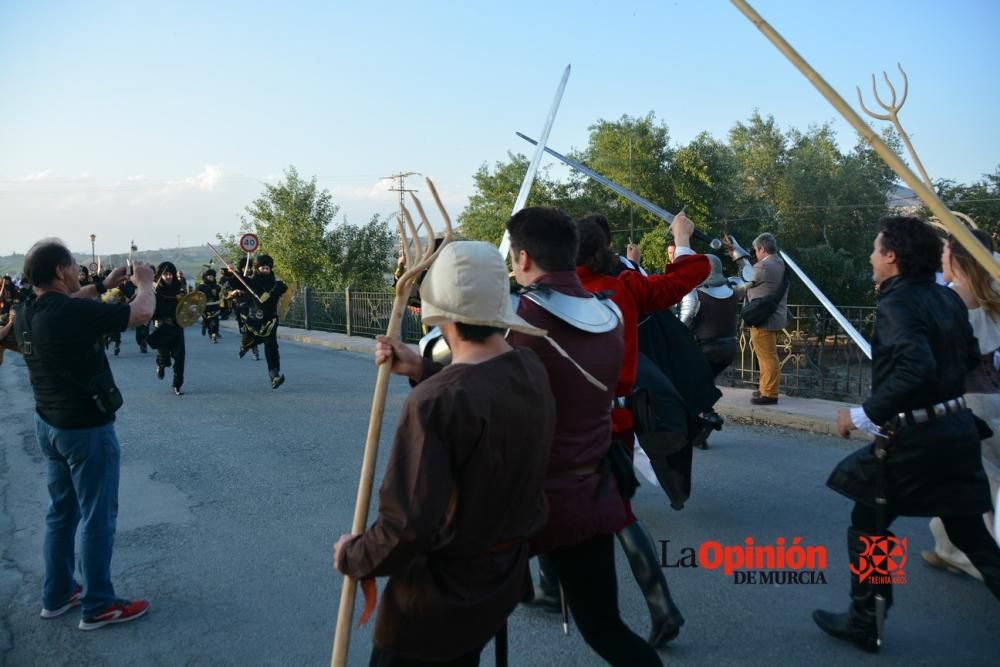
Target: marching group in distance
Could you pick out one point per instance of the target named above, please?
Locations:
(252, 297)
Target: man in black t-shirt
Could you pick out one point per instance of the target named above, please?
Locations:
(59, 333)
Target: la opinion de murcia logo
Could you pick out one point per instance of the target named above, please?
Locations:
(751, 563)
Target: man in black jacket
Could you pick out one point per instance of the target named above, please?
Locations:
(922, 348)
(59, 332)
(260, 323)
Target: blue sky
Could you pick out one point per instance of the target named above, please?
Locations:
(160, 121)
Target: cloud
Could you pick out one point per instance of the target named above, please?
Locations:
(42, 175)
(378, 191)
(206, 181)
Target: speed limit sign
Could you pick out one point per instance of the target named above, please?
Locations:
(249, 243)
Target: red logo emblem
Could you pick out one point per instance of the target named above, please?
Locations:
(882, 560)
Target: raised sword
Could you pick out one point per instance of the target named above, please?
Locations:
(661, 213)
(855, 335)
(529, 176)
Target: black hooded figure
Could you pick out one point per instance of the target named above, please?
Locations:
(260, 324)
(213, 296)
(167, 337)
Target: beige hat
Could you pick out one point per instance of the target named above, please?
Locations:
(468, 283)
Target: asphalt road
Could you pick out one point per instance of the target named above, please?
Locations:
(233, 494)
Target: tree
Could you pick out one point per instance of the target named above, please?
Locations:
(294, 222)
(980, 201)
(704, 176)
(634, 153)
(362, 255)
(291, 219)
(490, 206)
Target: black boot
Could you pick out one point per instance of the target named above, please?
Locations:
(858, 624)
(665, 616)
(547, 591)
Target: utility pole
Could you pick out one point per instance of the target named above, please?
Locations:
(400, 179)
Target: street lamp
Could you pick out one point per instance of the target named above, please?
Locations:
(93, 255)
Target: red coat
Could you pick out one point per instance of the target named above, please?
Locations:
(635, 295)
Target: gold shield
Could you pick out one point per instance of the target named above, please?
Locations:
(285, 302)
(190, 308)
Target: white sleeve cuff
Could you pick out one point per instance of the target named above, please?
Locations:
(682, 250)
(862, 422)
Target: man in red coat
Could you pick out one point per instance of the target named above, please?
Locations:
(635, 295)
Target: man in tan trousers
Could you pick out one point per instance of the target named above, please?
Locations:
(767, 280)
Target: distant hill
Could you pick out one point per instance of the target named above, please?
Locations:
(189, 260)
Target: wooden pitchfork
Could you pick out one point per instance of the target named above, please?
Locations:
(419, 259)
(960, 231)
(892, 116)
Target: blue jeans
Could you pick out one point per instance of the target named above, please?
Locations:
(83, 469)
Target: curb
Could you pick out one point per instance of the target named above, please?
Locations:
(734, 404)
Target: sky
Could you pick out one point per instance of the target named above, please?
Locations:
(160, 122)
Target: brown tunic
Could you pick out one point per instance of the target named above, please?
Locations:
(577, 510)
(462, 493)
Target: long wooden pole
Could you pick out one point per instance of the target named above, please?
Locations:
(929, 197)
(427, 255)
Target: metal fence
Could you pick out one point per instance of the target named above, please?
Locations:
(818, 360)
(349, 312)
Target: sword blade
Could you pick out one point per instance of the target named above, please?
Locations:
(661, 213)
(855, 335)
(529, 176)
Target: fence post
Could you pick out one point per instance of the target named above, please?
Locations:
(306, 294)
(347, 308)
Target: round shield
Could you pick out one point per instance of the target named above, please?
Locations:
(249, 243)
(285, 302)
(190, 308)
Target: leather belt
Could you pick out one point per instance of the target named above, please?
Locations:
(620, 402)
(166, 320)
(951, 406)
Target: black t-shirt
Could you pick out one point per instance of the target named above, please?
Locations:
(67, 354)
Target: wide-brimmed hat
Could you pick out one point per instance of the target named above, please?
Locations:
(468, 283)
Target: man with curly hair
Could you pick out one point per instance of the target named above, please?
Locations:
(922, 348)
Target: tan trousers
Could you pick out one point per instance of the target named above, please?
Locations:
(765, 346)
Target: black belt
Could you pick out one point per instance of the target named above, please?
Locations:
(951, 406)
(168, 320)
(621, 402)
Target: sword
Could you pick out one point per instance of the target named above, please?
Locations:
(661, 213)
(529, 177)
(237, 275)
(855, 335)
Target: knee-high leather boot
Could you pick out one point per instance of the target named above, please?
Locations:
(665, 617)
(858, 624)
(547, 590)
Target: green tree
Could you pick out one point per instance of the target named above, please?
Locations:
(291, 219)
(489, 207)
(653, 247)
(635, 153)
(704, 176)
(294, 221)
(362, 255)
(979, 200)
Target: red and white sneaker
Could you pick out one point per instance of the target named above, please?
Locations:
(74, 601)
(121, 611)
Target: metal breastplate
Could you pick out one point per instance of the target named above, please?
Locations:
(591, 313)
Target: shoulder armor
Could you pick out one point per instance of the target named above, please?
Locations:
(593, 314)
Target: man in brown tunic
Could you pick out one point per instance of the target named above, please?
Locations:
(463, 488)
